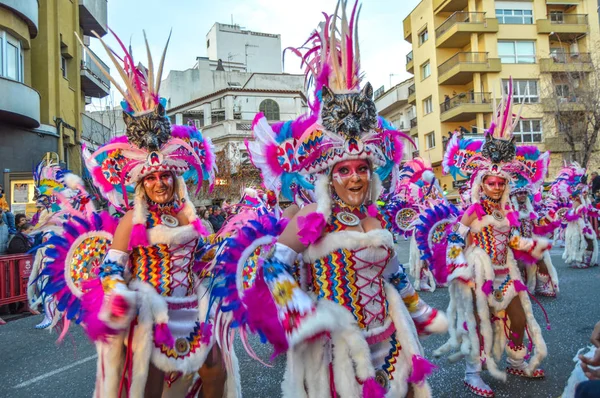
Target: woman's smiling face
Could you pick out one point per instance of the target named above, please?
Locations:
(351, 180)
(159, 186)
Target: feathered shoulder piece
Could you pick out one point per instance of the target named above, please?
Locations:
(535, 167)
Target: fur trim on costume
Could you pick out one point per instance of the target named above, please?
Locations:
(120, 296)
(111, 358)
(323, 196)
(575, 244)
(172, 236)
(350, 240)
(375, 188)
(551, 270)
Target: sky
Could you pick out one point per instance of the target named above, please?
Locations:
(382, 45)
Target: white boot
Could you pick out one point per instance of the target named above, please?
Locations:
(544, 286)
(517, 364)
(474, 382)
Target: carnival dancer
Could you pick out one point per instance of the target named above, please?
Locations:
(541, 275)
(134, 286)
(581, 244)
(348, 332)
(489, 308)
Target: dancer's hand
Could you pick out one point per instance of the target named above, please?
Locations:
(595, 338)
(592, 374)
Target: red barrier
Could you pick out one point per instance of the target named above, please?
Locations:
(14, 275)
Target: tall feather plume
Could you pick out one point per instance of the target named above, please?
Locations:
(141, 86)
(504, 120)
(331, 55)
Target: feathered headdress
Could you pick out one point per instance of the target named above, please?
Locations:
(496, 154)
(150, 144)
(568, 183)
(295, 153)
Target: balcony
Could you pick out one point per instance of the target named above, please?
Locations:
(564, 27)
(563, 104)
(455, 32)
(93, 82)
(412, 98)
(465, 106)
(413, 127)
(410, 67)
(460, 68)
(449, 5)
(19, 104)
(563, 2)
(93, 16)
(407, 26)
(567, 63)
(26, 9)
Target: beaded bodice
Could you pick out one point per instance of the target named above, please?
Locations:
(493, 236)
(352, 277)
(166, 263)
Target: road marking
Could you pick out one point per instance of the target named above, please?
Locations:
(50, 374)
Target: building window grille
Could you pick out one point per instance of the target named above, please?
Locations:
(516, 51)
(524, 91)
(270, 109)
(528, 131)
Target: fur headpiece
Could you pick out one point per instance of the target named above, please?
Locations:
(496, 155)
(342, 123)
(150, 144)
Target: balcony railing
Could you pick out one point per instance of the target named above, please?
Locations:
(463, 58)
(409, 57)
(465, 98)
(572, 58)
(411, 90)
(568, 19)
(459, 17)
(413, 123)
(90, 66)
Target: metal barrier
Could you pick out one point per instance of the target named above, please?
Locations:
(14, 275)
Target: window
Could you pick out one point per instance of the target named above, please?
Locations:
(519, 17)
(527, 131)
(524, 91)
(557, 16)
(516, 52)
(63, 66)
(427, 105)
(11, 57)
(425, 70)
(430, 140)
(423, 36)
(270, 108)
(562, 90)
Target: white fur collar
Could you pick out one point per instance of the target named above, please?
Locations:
(348, 240)
(172, 236)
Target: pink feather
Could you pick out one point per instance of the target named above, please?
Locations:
(476, 208)
(372, 389)
(162, 335)
(513, 218)
(519, 286)
(488, 287)
(372, 210)
(197, 224)
(139, 236)
(258, 116)
(311, 227)
(421, 368)
(91, 303)
(267, 319)
(99, 179)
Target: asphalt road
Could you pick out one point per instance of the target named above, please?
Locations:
(32, 365)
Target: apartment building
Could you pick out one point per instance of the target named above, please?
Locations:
(464, 51)
(394, 107)
(45, 80)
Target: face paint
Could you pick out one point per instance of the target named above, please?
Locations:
(351, 181)
(493, 187)
(521, 197)
(159, 186)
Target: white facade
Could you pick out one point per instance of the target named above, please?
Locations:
(260, 52)
(394, 107)
(203, 79)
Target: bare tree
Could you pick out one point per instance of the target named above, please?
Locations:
(235, 173)
(571, 103)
